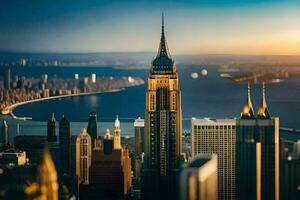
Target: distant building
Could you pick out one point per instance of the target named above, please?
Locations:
(73, 155)
(92, 127)
(199, 180)
(13, 157)
(34, 146)
(7, 79)
(83, 156)
(117, 134)
(47, 178)
(217, 136)
(296, 150)
(110, 174)
(94, 78)
(257, 153)
(139, 127)
(4, 135)
(290, 179)
(64, 144)
(108, 143)
(51, 129)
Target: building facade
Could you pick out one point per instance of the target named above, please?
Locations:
(139, 127)
(199, 180)
(51, 129)
(4, 136)
(92, 127)
(110, 172)
(117, 134)
(257, 152)
(163, 122)
(64, 144)
(83, 156)
(217, 136)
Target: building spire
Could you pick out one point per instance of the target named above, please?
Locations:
(263, 111)
(117, 122)
(163, 62)
(163, 47)
(248, 112)
(52, 117)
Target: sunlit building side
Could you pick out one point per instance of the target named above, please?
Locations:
(217, 136)
(199, 180)
(117, 134)
(83, 156)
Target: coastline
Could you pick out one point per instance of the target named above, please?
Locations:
(10, 108)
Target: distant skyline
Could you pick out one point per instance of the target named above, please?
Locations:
(192, 27)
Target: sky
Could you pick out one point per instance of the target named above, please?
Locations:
(192, 27)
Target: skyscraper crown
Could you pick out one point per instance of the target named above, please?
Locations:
(163, 62)
(248, 112)
(263, 112)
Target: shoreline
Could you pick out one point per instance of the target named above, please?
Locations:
(9, 110)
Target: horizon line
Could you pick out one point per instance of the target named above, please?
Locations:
(141, 52)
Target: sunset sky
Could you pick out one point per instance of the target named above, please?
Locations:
(192, 27)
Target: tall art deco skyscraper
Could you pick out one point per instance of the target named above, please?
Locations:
(83, 156)
(163, 121)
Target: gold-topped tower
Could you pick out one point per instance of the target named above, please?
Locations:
(263, 112)
(248, 112)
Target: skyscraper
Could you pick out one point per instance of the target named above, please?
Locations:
(110, 172)
(108, 143)
(117, 134)
(4, 136)
(257, 152)
(7, 79)
(92, 127)
(64, 144)
(217, 136)
(47, 178)
(199, 180)
(83, 156)
(163, 121)
(51, 129)
(139, 125)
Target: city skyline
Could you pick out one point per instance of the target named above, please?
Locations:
(205, 27)
(163, 153)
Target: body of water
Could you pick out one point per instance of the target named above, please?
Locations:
(206, 96)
